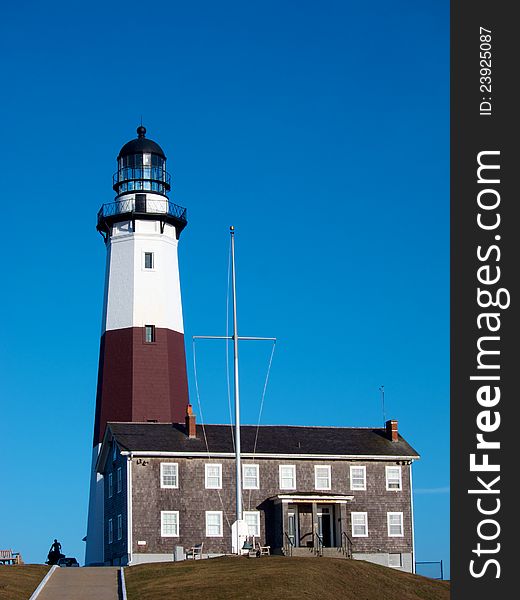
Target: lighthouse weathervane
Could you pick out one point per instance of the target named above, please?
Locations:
(142, 362)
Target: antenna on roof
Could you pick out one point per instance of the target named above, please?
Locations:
(382, 390)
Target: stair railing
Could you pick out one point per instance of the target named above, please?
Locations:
(318, 546)
(288, 546)
(346, 544)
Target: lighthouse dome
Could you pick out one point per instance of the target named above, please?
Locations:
(141, 165)
(141, 145)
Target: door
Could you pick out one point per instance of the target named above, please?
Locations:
(292, 525)
(325, 523)
(140, 203)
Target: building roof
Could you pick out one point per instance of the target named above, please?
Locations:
(272, 439)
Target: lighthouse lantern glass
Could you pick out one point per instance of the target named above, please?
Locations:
(141, 172)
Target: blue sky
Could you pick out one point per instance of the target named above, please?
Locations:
(321, 131)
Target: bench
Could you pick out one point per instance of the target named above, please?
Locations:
(264, 550)
(8, 557)
(195, 551)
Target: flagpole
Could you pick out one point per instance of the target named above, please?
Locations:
(237, 390)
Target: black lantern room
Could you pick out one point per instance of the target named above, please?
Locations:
(141, 166)
(141, 184)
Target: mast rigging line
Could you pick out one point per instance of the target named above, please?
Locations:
(204, 427)
(261, 409)
(262, 399)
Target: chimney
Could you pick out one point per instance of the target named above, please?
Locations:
(391, 431)
(191, 429)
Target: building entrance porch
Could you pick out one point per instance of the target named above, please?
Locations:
(301, 531)
(312, 521)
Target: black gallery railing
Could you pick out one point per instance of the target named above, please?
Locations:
(138, 205)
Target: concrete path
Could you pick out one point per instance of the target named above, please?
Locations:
(83, 583)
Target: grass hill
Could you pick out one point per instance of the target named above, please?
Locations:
(233, 578)
(18, 582)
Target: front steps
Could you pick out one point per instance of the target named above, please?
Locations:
(309, 552)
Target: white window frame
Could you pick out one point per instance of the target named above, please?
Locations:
(364, 485)
(401, 523)
(293, 469)
(110, 531)
(365, 523)
(256, 524)
(206, 476)
(219, 514)
(394, 489)
(110, 485)
(257, 477)
(166, 485)
(316, 468)
(176, 524)
(119, 480)
(119, 527)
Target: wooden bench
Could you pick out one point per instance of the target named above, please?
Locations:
(195, 551)
(8, 557)
(264, 550)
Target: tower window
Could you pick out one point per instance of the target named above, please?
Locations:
(149, 334)
(148, 260)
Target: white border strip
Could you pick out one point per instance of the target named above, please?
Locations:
(123, 584)
(43, 582)
(152, 454)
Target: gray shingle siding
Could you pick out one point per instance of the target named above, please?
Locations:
(192, 499)
(117, 551)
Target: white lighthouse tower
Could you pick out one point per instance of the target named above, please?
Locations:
(142, 363)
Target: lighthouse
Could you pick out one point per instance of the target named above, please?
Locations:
(142, 363)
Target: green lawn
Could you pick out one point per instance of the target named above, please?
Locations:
(234, 578)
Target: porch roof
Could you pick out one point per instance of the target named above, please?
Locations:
(310, 498)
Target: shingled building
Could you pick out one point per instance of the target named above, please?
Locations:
(307, 490)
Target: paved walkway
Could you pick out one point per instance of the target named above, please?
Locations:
(84, 583)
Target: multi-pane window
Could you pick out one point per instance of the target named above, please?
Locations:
(393, 478)
(110, 485)
(119, 480)
(322, 477)
(395, 559)
(110, 531)
(169, 475)
(395, 524)
(149, 334)
(250, 477)
(169, 523)
(148, 260)
(252, 518)
(358, 478)
(213, 476)
(214, 523)
(119, 526)
(359, 524)
(287, 477)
